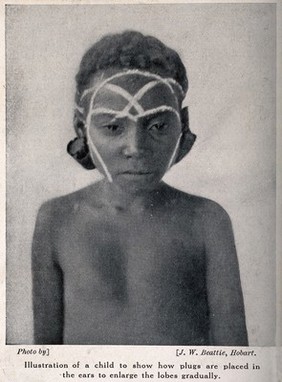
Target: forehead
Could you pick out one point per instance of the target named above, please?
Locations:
(141, 90)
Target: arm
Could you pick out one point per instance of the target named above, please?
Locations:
(225, 299)
(47, 283)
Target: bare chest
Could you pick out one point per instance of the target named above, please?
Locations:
(137, 276)
(119, 256)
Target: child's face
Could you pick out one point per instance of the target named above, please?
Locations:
(133, 128)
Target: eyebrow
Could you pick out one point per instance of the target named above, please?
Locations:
(132, 99)
(132, 102)
(122, 113)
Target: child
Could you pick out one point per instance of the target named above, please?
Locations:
(130, 260)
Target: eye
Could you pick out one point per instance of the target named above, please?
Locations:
(159, 127)
(112, 129)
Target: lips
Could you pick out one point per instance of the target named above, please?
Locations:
(137, 172)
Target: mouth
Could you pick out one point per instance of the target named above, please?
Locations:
(136, 173)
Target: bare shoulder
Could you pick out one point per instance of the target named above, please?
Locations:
(63, 206)
(206, 209)
(211, 211)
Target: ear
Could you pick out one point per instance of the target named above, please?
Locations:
(188, 138)
(79, 125)
(78, 147)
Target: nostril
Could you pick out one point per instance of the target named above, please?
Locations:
(130, 151)
(134, 145)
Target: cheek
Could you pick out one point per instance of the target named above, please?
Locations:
(164, 146)
(164, 152)
(102, 152)
(157, 150)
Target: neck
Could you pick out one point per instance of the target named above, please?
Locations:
(119, 198)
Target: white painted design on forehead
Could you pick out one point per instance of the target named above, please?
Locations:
(122, 114)
(168, 81)
(132, 99)
(132, 102)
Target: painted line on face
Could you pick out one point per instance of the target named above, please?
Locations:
(141, 92)
(96, 152)
(122, 114)
(121, 91)
(172, 159)
(133, 102)
(133, 99)
(168, 81)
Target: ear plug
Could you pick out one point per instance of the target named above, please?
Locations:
(79, 150)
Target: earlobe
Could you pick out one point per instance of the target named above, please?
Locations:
(79, 150)
(78, 147)
(188, 138)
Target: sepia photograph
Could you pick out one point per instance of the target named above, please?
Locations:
(141, 174)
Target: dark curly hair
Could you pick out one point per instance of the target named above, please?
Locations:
(127, 50)
(130, 50)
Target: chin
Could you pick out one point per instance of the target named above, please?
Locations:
(136, 182)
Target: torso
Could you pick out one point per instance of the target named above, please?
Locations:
(133, 278)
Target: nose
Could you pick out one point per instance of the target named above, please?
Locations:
(134, 145)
